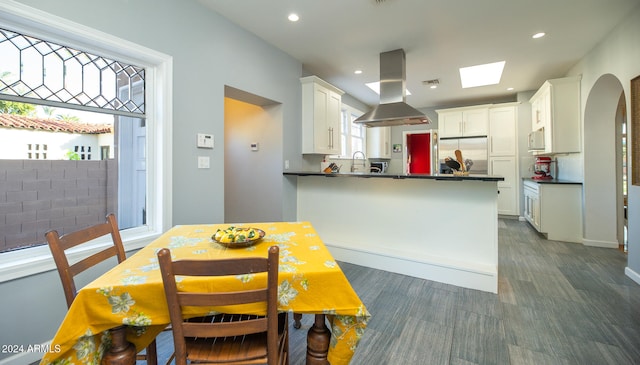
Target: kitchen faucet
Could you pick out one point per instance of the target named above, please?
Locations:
(353, 161)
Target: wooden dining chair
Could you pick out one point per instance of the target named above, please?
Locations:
(226, 339)
(59, 244)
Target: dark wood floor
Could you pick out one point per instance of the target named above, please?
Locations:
(557, 303)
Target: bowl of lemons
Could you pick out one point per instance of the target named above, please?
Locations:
(238, 236)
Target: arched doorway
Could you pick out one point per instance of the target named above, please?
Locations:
(622, 171)
(602, 191)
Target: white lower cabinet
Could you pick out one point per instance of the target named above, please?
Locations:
(532, 204)
(554, 209)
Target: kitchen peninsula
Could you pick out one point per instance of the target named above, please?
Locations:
(437, 227)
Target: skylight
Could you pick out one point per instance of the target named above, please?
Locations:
(481, 75)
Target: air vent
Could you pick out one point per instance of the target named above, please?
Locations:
(431, 82)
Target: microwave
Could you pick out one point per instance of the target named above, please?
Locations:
(379, 167)
(536, 140)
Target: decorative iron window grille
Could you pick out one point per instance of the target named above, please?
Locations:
(32, 68)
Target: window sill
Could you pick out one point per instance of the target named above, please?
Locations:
(22, 263)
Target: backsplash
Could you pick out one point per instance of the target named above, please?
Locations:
(570, 167)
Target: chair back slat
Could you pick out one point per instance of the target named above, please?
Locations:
(225, 329)
(225, 298)
(93, 260)
(222, 267)
(75, 238)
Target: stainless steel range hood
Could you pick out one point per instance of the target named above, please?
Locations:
(392, 110)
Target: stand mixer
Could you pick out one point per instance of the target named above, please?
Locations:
(542, 168)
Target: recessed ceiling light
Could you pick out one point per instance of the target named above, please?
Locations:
(433, 86)
(357, 72)
(509, 89)
(293, 17)
(375, 86)
(538, 35)
(481, 75)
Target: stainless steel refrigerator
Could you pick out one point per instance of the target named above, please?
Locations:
(472, 148)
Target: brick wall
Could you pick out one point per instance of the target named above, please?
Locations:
(39, 195)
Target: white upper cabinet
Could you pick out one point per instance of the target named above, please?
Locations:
(321, 107)
(555, 108)
(379, 142)
(463, 122)
(540, 105)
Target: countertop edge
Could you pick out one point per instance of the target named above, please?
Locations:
(438, 177)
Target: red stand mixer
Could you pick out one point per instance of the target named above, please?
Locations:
(542, 168)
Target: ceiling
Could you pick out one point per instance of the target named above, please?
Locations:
(333, 38)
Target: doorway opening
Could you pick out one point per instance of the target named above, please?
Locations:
(622, 171)
(253, 184)
(603, 195)
(420, 153)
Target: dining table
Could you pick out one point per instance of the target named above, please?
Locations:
(126, 306)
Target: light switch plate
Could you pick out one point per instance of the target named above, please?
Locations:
(204, 140)
(203, 162)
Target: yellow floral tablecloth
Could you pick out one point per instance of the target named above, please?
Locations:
(132, 293)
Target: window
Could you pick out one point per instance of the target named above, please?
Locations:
(138, 101)
(353, 135)
(36, 151)
(39, 71)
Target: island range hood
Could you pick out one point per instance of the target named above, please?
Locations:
(393, 109)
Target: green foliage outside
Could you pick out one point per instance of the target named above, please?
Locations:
(72, 156)
(13, 107)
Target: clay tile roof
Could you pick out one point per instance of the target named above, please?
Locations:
(53, 125)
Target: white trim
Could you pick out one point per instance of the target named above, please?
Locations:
(632, 274)
(602, 244)
(466, 275)
(159, 68)
(352, 111)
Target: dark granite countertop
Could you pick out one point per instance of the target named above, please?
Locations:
(440, 177)
(552, 181)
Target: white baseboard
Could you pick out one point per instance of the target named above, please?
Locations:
(632, 275)
(602, 244)
(464, 276)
